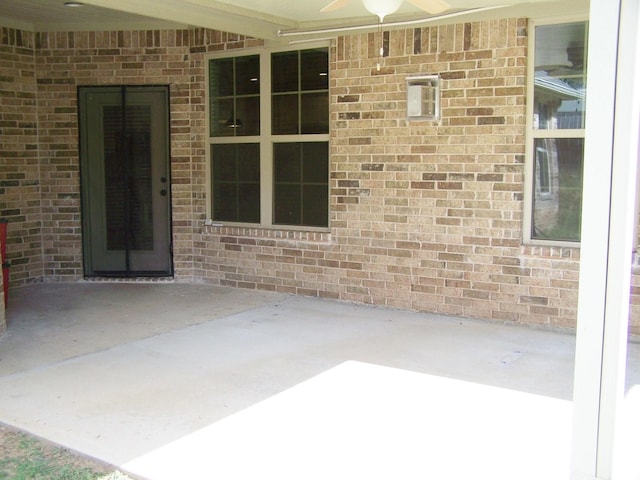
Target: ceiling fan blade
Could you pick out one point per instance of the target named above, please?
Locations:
(335, 5)
(431, 6)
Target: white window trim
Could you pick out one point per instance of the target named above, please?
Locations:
(532, 134)
(265, 139)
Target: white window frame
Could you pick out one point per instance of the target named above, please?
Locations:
(265, 138)
(533, 134)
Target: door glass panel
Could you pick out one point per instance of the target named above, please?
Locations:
(128, 195)
(125, 180)
(114, 178)
(138, 156)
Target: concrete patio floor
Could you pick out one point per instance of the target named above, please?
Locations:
(177, 381)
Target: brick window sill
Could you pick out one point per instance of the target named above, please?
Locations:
(274, 233)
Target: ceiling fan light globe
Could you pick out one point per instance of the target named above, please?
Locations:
(382, 8)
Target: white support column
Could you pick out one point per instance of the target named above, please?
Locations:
(610, 172)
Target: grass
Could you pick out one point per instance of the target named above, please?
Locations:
(23, 457)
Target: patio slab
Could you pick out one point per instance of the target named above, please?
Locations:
(138, 374)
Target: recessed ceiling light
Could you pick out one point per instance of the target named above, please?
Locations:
(73, 4)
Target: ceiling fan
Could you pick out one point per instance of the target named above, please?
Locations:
(382, 8)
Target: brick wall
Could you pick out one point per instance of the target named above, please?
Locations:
(19, 169)
(39, 178)
(194, 201)
(424, 215)
(64, 61)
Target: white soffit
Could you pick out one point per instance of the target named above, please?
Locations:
(53, 16)
(256, 18)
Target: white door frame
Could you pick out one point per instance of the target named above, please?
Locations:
(609, 193)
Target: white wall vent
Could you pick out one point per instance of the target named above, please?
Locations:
(423, 97)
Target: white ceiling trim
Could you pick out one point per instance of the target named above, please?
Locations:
(403, 23)
(198, 13)
(258, 18)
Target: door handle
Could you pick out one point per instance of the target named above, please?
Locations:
(163, 192)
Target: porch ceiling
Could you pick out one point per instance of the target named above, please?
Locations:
(257, 18)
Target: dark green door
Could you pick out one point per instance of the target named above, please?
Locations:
(125, 181)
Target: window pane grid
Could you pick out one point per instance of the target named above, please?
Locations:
(235, 171)
(234, 92)
(557, 133)
(560, 76)
(300, 105)
(557, 189)
(294, 148)
(301, 184)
